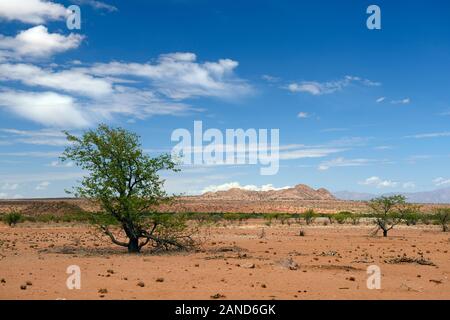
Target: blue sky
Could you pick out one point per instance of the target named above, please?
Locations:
(373, 106)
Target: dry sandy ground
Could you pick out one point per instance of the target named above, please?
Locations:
(234, 262)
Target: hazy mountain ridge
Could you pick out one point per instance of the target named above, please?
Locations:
(434, 196)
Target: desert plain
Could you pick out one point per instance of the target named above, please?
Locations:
(247, 260)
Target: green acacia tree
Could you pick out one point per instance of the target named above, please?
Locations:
(125, 182)
(389, 212)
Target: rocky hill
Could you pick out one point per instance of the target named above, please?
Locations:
(299, 192)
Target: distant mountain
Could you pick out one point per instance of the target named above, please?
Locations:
(355, 196)
(435, 196)
(299, 192)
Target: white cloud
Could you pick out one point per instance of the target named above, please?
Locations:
(441, 181)
(72, 80)
(38, 42)
(381, 99)
(47, 108)
(342, 162)
(430, 135)
(37, 137)
(58, 164)
(3, 195)
(24, 178)
(303, 115)
(180, 76)
(141, 91)
(231, 185)
(270, 78)
(408, 185)
(96, 5)
(31, 11)
(334, 129)
(402, 101)
(42, 185)
(383, 148)
(308, 153)
(379, 183)
(9, 186)
(320, 88)
(31, 154)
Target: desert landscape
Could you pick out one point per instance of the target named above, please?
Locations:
(259, 257)
(227, 152)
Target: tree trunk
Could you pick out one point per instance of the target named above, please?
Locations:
(385, 233)
(133, 245)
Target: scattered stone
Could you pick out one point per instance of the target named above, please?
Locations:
(421, 261)
(217, 296)
(436, 281)
(289, 263)
(103, 291)
(141, 284)
(160, 280)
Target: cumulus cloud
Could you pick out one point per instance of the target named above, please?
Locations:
(37, 42)
(46, 108)
(101, 91)
(179, 76)
(320, 88)
(31, 11)
(379, 183)
(250, 187)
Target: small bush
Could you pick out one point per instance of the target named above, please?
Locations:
(342, 217)
(309, 216)
(426, 218)
(355, 218)
(330, 218)
(13, 218)
(411, 218)
(302, 233)
(284, 218)
(442, 217)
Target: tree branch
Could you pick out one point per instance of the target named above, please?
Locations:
(113, 239)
